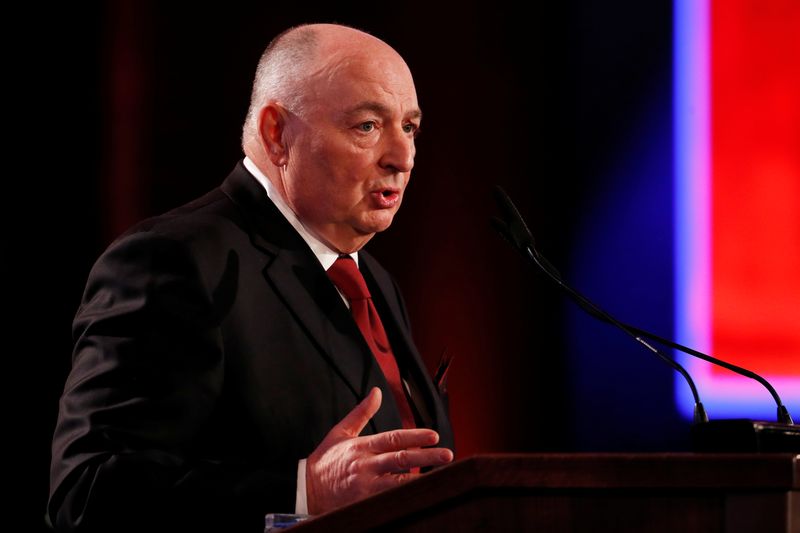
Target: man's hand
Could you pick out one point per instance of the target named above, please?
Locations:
(345, 467)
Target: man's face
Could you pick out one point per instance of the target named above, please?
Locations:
(351, 152)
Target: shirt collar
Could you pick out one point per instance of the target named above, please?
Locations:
(324, 254)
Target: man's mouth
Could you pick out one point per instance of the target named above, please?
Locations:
(385, 198)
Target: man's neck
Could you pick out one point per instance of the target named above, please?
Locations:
(324, 253)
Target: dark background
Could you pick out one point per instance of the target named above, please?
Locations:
(131, 108)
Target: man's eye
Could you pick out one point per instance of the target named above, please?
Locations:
(410, 128)
(366, 127)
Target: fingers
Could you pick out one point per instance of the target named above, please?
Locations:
(399, 439)
(402, 460)
(345, 467)
(355, 421)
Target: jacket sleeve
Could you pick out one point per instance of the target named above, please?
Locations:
(130, 448)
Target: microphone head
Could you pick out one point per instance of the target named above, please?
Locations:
(515, 229)
(502, 228)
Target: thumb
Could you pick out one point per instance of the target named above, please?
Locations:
(355, 421)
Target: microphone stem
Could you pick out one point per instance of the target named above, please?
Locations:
(516, 232)
(699, 413)
(783, 413)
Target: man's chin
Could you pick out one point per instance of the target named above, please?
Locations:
(352, 238)
(370, 230)
(377, 221)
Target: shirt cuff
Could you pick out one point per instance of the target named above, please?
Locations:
(301, 498)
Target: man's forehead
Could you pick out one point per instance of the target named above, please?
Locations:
(354, 81)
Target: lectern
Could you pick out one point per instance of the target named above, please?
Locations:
(673, 492)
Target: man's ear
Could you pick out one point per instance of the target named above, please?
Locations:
(271, 132)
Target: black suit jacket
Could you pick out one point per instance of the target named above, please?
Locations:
(211, 354)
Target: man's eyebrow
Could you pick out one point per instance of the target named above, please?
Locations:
(380, 109)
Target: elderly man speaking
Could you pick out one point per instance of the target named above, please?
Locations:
(242, 354)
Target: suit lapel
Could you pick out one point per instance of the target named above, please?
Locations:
(312, 298)
(297, 277)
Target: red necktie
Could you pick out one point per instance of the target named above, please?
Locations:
(345, 275)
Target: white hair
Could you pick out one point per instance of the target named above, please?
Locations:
(283, 65)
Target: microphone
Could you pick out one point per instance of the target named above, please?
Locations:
(784, 435)
(516, 232)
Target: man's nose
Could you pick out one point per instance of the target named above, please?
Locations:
(399, 151)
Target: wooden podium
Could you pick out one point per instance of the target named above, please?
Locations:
(675, 492)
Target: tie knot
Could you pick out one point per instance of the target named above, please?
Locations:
(345, 275)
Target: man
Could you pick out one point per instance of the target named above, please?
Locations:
(218, 372)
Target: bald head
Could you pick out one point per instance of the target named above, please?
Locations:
(299, 55)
